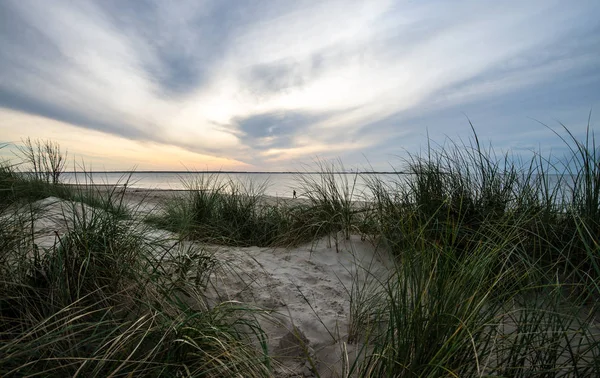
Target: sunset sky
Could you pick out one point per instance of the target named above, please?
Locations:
(267, 85)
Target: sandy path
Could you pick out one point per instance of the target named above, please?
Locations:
(307, 287)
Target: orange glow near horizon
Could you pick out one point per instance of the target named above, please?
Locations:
(100, 151)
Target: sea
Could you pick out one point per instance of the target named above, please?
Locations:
(272, 184)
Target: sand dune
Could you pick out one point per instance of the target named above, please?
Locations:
(304, 291)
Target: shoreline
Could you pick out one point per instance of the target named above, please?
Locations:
(142, 194)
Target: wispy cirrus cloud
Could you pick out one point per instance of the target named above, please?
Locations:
(267, 82)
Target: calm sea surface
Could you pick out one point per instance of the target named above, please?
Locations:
(276, 184)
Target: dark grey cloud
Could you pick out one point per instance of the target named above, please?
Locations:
(33, 106)
(186, 38)
(284, 75)
(275, 130)
(273, 77)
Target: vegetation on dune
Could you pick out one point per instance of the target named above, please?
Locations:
(221, 211)
(334, 201)
(496, 269)
(458, 193)
(36, 175)
(109, 300)
(480, 308)
(100, 303)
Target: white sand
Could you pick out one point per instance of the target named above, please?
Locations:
(305, 290)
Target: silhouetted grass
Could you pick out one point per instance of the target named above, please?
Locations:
(473, 314)
(222, 211)
(496, 269)
(497, 265)
(110, 299)
(335, 204)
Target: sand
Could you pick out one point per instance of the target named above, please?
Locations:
(304, 290)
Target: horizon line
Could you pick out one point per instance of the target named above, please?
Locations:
(250, 172)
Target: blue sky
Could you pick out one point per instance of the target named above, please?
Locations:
(267, 85)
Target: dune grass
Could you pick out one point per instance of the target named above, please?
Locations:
(445, 312)
(218, 210)
(108, 298)
(497, 265)
(335, 205)
(496, 270)
(36, 175)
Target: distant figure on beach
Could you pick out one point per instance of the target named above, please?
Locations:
(294, 193)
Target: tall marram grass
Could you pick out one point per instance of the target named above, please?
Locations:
(223, 211)
(219, 210)
(467, 315)
(37, 172)
(497, 265)
(496, 270)
(335, 204)
(460, 190)
(108, 298)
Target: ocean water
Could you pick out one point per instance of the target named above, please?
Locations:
(275, 184)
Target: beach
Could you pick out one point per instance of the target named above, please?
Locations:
(303, 291)
(425, 277)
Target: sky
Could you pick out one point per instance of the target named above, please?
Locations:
(270, 85)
